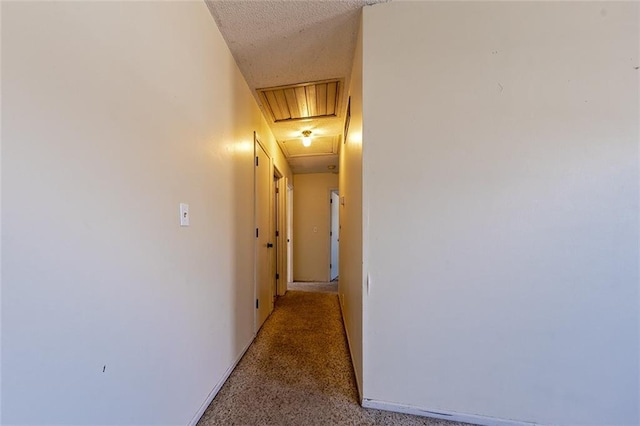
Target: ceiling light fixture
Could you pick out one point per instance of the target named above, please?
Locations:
(306, 138)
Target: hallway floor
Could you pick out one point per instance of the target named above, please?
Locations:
(316, 287)
(298, 372)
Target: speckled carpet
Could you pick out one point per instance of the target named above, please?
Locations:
(317, 287)
(298, 372)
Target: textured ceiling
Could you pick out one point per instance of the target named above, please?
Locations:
(283, 42)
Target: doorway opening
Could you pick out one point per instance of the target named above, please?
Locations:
(334, 234)
(289, 226)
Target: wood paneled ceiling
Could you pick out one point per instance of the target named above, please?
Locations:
(299, 101)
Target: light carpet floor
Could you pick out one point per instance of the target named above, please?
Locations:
(298, 372)
(318, 287)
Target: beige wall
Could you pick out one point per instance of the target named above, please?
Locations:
(501, 205)
(351, 283)
(113, 113)
(311, 225)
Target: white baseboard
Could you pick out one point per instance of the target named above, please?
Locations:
(346, 331)
(441, 414)
(218, 386)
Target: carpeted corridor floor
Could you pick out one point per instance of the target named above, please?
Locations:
(298, 372)
(317, 287)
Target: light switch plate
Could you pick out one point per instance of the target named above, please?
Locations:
(184, 214)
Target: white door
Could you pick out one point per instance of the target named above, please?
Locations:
(263, 182)
(335, 234)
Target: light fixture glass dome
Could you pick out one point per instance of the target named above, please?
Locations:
(306, 138)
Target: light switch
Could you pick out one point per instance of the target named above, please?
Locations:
(184, 214)
(315, 229)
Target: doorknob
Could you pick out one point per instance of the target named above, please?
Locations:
(269, 245)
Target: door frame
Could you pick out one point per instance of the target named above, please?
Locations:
(278, 223)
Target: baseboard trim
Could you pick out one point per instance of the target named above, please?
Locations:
(346, 332)
(196, 418)
(441, 414)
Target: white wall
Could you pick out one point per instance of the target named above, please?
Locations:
(501, 187)
(113, 113)
(350, 283)
(1, 232)
(311, 225)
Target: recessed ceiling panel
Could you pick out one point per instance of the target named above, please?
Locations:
(300, 101)
(314, 164)
(324, 145)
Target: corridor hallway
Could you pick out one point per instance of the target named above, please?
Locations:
(298, 372)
